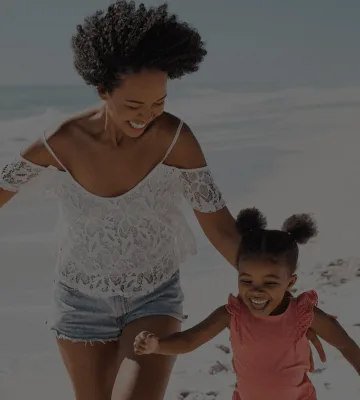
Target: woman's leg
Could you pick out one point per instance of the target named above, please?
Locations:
(147, 377)
(144, 377)
(87, 333)
(92, 367)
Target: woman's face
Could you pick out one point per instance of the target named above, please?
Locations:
(137, 102)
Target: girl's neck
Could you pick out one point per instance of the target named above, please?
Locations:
(282, 307)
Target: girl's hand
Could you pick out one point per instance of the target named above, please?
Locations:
(145, 343)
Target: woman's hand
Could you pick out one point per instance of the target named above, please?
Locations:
(327, 328)
(314, 339)
(145, 343)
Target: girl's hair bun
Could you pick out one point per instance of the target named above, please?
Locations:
(250, 219)
(301, 227)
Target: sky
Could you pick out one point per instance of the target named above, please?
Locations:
(288, 41)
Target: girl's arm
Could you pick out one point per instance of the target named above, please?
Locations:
(329, 329)
(186, 341)
(218, 225)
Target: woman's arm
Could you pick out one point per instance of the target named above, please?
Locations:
(18, 172)
(186, 341)
(219, 226)
(32, 161)
(6, 196)
(329, 329)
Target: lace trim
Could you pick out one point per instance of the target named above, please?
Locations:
(200, 190)
(127, 284)
(17, 173)
(126, 245)
(305, 309)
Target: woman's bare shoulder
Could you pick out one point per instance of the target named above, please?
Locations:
(187, 152)
(168, 124)
(60, 140)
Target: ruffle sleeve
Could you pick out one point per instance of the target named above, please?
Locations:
(305, 304)
(234, 308)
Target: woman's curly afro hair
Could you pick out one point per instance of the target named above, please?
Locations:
(127, 39)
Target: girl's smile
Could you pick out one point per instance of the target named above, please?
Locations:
(263, 284)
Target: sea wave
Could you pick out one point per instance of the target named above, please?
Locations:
(17, 133)
(221, 120)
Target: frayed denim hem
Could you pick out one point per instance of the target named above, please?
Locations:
(91, 342)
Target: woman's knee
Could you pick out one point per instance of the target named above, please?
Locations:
(145, 376)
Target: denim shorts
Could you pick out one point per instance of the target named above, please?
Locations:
(80, 317)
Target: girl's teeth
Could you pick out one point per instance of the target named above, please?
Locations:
(259, 301)
(136, 126)
(259, 304)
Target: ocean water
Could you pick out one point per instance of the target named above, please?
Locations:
(24, 101)
(218, 115)
(256, 126)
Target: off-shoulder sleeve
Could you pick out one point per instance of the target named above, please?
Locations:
(305, 304)
(17, 173)
(200, 190)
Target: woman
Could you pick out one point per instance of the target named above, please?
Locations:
(120, 171)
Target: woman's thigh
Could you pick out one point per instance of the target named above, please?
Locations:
(92, 367)
(144, 377)
(87, 333)
(95, 339)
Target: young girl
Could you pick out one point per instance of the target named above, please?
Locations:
(267, 326)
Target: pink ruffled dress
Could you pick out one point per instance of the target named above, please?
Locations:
(271, 354)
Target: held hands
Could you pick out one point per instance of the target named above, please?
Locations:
(145, 343)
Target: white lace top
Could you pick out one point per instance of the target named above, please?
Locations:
(128, 244)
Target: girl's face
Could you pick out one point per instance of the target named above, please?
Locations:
(137, 102)
(263, 284)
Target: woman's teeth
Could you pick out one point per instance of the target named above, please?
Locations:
(137, 126)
